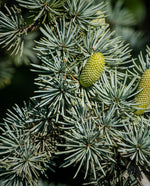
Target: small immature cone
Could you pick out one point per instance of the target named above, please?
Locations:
(93, 69)
(100, 20)
(143, 98)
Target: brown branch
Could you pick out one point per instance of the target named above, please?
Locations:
(143, 180)
(138, 174)
(74, 79)
(32, 26)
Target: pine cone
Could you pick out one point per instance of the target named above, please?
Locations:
(93, 69)
(143, 98)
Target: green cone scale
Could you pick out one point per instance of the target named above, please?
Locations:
(93, 70)
(143, 98)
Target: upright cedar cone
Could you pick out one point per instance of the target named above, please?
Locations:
(93, 69)
(143, 98)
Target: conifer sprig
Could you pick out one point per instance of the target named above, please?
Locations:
(114, 91)
(142, 63)
(83, 12)
(52, 66)
(85, 146)
(28, 142)
(110, 124)
(136, 143)
(61, 38)
(57, 94)
(104, 41)
(42, 7)
(11, 32)
(19, 162)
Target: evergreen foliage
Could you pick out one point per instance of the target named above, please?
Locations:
(11, 30)
(124, 22)
(94, 128)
